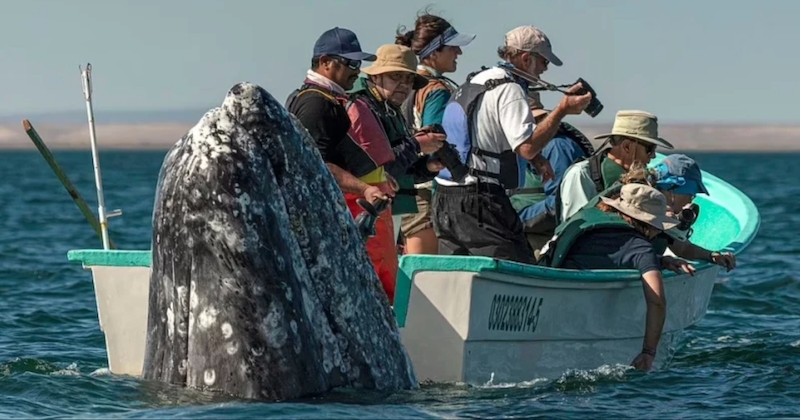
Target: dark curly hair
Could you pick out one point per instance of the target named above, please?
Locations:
(426, 28)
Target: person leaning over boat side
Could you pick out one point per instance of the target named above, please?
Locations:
(437, 44)
(474, 216)
(679, 178)
(633, 138)
(319, 105)
(537, 209)
(379, 129)
(619, 234)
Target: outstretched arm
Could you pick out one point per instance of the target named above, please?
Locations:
(653, 284)
(690, 251)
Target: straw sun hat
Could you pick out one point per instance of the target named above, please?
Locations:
(394, 57)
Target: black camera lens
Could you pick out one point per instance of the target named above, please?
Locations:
(686, 217)
(595, 107)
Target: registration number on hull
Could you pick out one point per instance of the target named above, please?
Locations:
(514, 313)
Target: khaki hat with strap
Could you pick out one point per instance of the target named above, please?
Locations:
(639, 125)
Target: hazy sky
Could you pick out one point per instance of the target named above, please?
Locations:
(686, 61)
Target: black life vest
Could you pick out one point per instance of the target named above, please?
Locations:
(457, 122)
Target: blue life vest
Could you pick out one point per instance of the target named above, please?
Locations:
(457, 123)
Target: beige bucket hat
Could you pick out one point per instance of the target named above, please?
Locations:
(644, 203)
(395, 57)
(639, 125)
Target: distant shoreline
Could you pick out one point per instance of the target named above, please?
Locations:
(162, 136)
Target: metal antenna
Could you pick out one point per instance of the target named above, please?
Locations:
(86, 76)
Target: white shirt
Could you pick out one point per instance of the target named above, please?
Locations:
(503, 121)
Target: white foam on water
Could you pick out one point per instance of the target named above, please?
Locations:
(71, 370)
(101, 372)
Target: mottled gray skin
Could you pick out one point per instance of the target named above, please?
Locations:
(261, 286)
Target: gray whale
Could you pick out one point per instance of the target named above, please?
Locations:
(261, 286)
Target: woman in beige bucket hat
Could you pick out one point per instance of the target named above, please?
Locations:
(590, 240)
(646, 205)
(387, 150)
(394, 73)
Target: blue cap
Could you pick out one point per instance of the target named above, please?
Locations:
(341, 42)
(680, 174)
(450, 37)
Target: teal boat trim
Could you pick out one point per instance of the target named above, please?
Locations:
(113, 258)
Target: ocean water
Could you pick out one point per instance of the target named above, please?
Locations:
(741, 360)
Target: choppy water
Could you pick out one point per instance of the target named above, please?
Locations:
(741, 360)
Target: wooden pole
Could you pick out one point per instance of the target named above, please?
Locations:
(73, 192)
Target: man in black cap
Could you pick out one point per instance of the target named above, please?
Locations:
(319, 104)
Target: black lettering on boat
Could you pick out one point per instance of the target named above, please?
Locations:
(514, 313)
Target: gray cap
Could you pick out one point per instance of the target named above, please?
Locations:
(531, 39)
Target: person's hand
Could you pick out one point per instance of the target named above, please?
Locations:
(575, 104)
(643, 362)
(434, 165)
(543, 168)
(677, 265)
(430, 142)
(373, 194)
(725, 259)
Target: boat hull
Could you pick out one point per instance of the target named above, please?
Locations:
(480, 327)
(122, 304)
(468, 326)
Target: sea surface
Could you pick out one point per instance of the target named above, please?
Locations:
(741, 360)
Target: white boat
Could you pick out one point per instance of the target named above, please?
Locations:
(476, 319)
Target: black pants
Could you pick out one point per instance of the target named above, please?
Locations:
(479, 220)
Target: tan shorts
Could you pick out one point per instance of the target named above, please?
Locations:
(411, 224)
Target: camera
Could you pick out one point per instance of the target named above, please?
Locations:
(448, 156)
(688, 216)
(595, 106)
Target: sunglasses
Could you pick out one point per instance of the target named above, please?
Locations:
(402, 78)
(649, 148)
(351, 64)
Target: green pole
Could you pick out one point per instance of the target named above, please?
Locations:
(73, 192)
